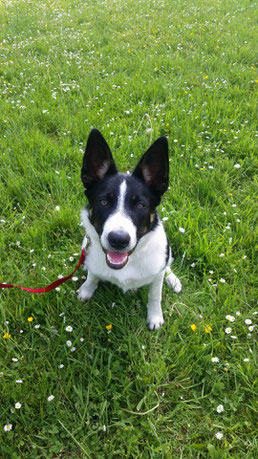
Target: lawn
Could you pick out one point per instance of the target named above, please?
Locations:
(90, 380)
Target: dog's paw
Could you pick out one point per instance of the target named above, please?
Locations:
(85, 293)
(155, 322)
(173, 282)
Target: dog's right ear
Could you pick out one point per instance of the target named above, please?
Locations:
(97, 161)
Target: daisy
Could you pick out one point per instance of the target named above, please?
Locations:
(17, 405)
(215, 359)
(61, 365)
(230, 318)
(8, 427)
(220, 408)
(228, 330)
(69, 329)
(219, 435)
(248, 321)
(181, 230)
(251, 328)
(50, 398)
(246, 360)
(68, 343)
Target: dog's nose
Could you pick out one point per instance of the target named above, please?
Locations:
(118, 239)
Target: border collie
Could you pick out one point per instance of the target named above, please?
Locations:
(127, 242)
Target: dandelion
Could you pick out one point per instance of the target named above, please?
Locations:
(215, 359)
(220, 408)
(208, 329)
(108, 327)
(50, 398)
(68, 343)
(219, 435)
(6, 336)
(193, 327)
(228, 330)
(8, 427)
(30, 319)
(69, 329)
(17, 405)
(248, 321)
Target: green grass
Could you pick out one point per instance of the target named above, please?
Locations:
(135, 70)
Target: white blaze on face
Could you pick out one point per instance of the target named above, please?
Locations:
(119, 221)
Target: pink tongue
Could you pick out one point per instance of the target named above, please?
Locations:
(117, 257)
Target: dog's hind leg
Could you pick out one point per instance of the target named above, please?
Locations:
(172, 281)
(88, 287)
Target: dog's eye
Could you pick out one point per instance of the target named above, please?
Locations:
(103, 202)
(140, 205)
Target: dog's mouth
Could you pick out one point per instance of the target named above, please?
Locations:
(116, 260)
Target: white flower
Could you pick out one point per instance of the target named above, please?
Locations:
(19, 381)
(219, 435)
(222, 255)
(37, 326)
(17, 405)
(50, 398)
(228, 330)
(104, 428)
(8, 427)
(238, 313)
(237, 166)
(222, 281)
(215, 359)
(230, 318)
(181, 230)
(68, 343)
(57, 208)
(248, 321)
(81, 340)
(246, 360)
(69, 329)
(61, 365)
(15, 360)
(71, 258)
(164, 219)
(74, 278)
(220, 408)
(73, 349)
(233, 337)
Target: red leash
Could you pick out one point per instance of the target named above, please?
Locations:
(51, 286)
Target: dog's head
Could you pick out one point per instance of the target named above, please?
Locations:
(122, 207)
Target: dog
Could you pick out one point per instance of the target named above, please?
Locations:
(128, 245)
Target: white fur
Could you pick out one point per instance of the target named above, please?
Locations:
(144, 267)
(119, 221)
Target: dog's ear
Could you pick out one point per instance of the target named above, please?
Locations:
(153, 166)
(97, 161)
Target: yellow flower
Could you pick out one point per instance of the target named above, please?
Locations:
(208, 329)
(193, 327)
(6, 336)
(108, 327)
(30, 319)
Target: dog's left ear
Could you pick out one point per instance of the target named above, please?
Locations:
(153, 166)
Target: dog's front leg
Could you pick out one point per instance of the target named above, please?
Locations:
(88, 287)
(154, 311)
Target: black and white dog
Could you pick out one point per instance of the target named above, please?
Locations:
(128, 245)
